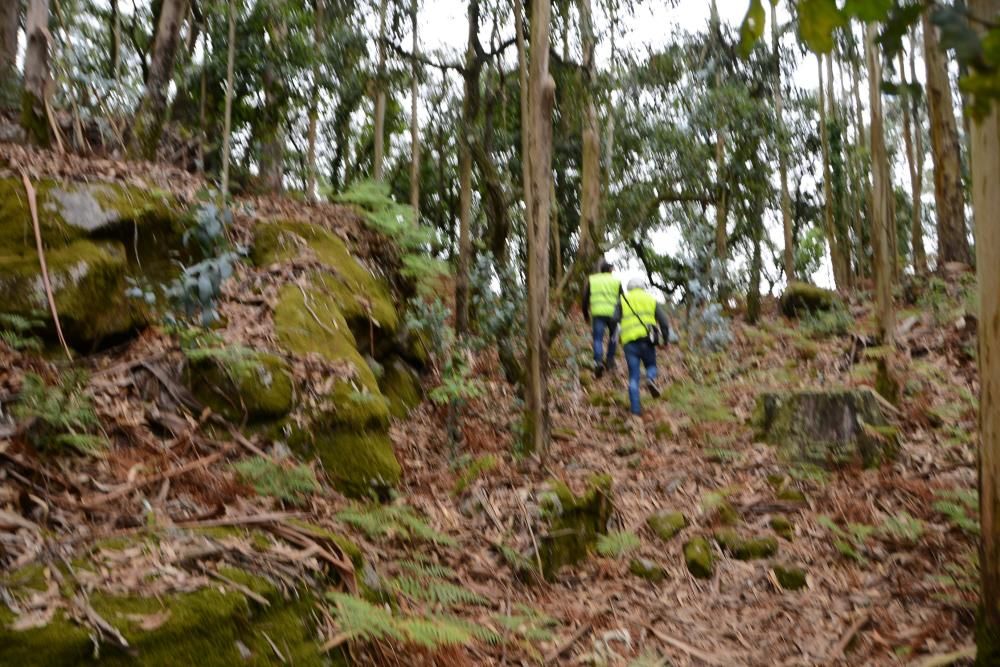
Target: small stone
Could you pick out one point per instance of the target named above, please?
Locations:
(742, 548)
(783, 527)
(667, 524)
(790, 578)
(647, 569)
(699, 558)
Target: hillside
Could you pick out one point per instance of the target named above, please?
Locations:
(274, 487)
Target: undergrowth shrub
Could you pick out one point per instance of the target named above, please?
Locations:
(615, 545)
(60, 416)
(826, 324)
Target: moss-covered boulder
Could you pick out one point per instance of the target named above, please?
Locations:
(574, 522)
(252, 387)
(647, 569)
(745, 548)
(361, 464)
(96, 236)
(801, 298)
(827, 428)
(667, 524)
(214, 627)
(783, 527)
(364, 300)
(790, 577)
(699, 558)
(400, 385)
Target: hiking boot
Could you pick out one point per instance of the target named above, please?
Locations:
(654, 389)
(598, 370)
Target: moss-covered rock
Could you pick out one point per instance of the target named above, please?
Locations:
(783, 527)
(667, 524)
(400, 385)
(647, 569)
(214, 627)
(96, 235)
(364, 301)
(359, 463)
(791, 578)
(744, 548)
(801, 298)
(255, 387)
(827, 428)
(574, 522)
(83, 274)
(699, 558)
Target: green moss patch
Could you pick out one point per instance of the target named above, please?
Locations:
(359, 463)
(698, 402)
(699, 558)
(400, 385)
(255, 387)
(647, 569)
(801, 298)
(743, 548)
(783, 527)
(790, 578)
(667, 524)
(574, 522)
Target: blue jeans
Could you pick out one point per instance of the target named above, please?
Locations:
(639, 352)
(600, 324)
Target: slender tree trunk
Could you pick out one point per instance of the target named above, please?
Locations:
(37, 73)
(319, 40)
(149, 117)
(756, 267)
(414, 121)
(522, 70)
(541, 99)
(8, 41)
(953, 243)
(911, 137)
(590, 179)
(380, 97)
(828, 226)
(862, 170)
(881, 194)
(470, 112)
(779, 110)
(272, 150)
(721, 199)
(227, 122)
(985, 159)
(843, 258)
(114, 58)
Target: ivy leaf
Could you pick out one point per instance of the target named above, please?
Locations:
(818, 19)
(868, 11)
(752, 28)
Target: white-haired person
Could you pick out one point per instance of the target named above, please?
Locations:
(644, 326)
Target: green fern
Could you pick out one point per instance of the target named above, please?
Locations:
(436, 591)
(904, 528)
(427, 569)
(361, 620)
(615, 545)
(289, 483)
(378, 521)
(16, 332)
(529, 624)
(60, 416)
(850, 542)
(473, 471)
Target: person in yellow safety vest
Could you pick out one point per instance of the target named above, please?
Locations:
(601, 308)
(640, 310)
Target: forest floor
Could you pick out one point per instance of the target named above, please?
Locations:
(889, 553)
(896, 584)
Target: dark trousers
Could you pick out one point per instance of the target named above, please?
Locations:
(600, 325)
(639, 352)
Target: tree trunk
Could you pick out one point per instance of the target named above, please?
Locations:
(470, 112)
(779, 110)
(861, 170)
(881, 194)
(8, 38)
(953, 244)
(985, 159)
(227, 122)
(541, 99)
(522, 71)
(272, 150)
(914, 144)
(843, 258)
(203, 104)
(114, 59)
(37, 73)
(149, 117)
(828, 226)
(380, 96)
(590, 179)
(318, 39)
(721, 200)
(756, 266)
(414, 122)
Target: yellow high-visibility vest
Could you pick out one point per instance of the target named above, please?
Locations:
(634, 323)
(604, 289)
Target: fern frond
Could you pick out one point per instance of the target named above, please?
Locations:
(427, 569)
(359, 619)
(436, 591)
(614, 545)
(434, 632)
(291, 484)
